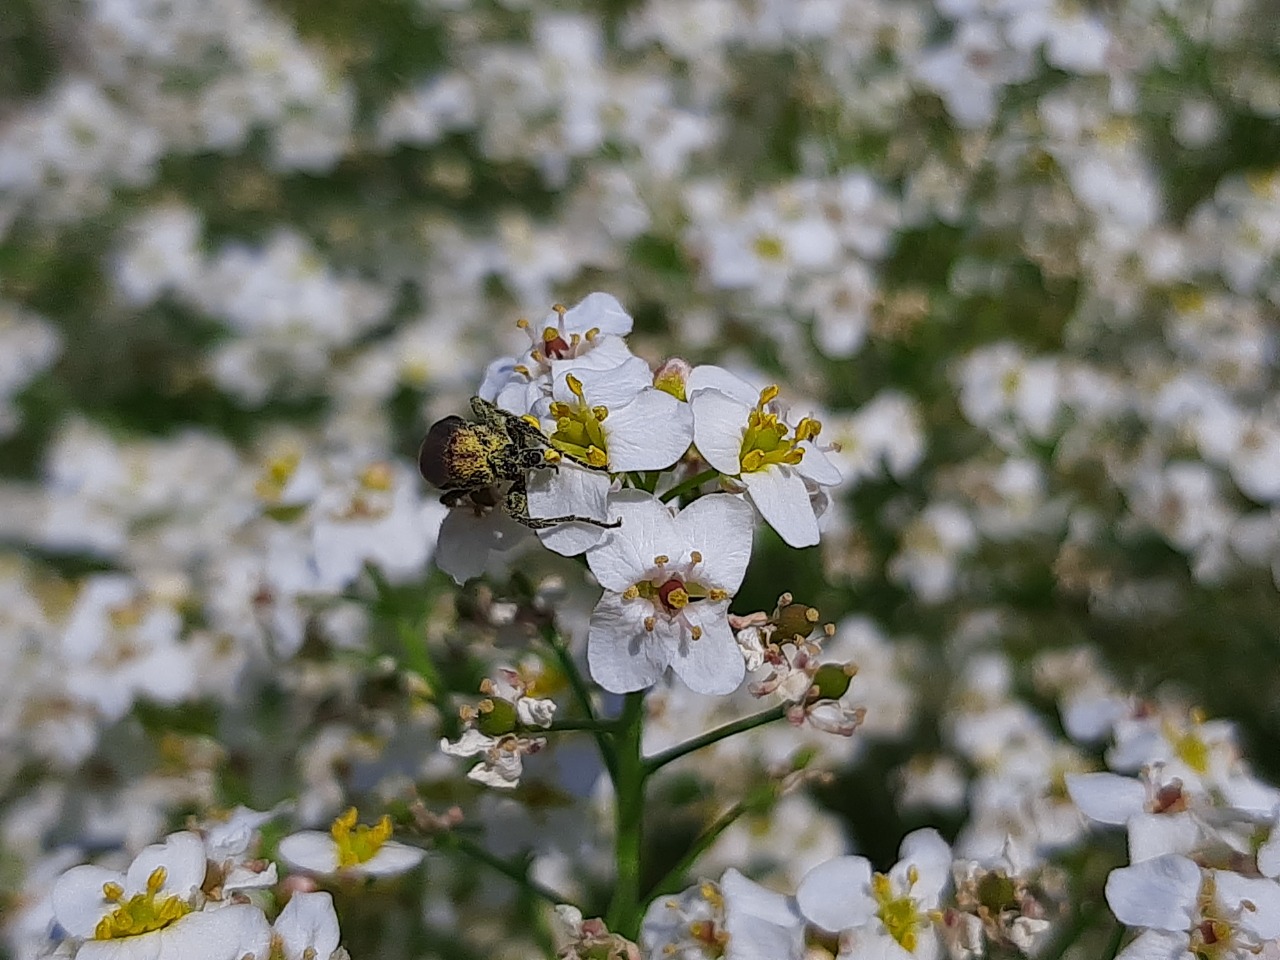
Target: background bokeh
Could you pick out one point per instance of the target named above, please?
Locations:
(1022, 253)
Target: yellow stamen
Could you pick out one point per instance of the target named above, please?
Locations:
(650, 623)
(574, 384)
(141, 913)
(631, 592)
(695, 556)
(660, 559)
(767, 441)
(358, 843)
(695, 633)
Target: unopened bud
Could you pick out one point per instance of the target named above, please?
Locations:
(672, 376)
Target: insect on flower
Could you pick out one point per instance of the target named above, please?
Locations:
(471, 459)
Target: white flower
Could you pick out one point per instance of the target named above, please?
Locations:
(614, 419)
(736, 920)
(588, 336)
(741, 433)
(351, 849)
(667, 583)
(1188, 911)
(502, 756)
(478, 541)
(883, 915)
(150, 911)
(307, 928)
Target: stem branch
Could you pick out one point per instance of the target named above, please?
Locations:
(624, 907)
(714, 736)
(680, 489)
(515, 872)
(672, 880)
(582, 694)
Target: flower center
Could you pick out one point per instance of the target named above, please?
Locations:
(358, 843)
(578, 429)
(141, 913)
(553, 343)
(768, 441)
(899, 914)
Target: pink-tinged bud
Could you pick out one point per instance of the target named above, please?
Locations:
(672, 376)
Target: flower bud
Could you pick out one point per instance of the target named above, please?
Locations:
(672, 376)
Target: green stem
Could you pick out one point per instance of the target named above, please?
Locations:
(594, 726)
(714, 736)
(673, 879)
(552, 638)
(680, 489)
(514, 872)
(624, 907)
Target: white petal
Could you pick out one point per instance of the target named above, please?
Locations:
(780, 496)
(648, 530)
(183, 859)
(607, 352)
(77, 898)
(310, 850)
(127, 948)
(836, 895)
(1262, 917)
(228, 933)
(496, 376)
(712, 664)
(719, 422)
(308, 921)
(599, 310)
(621, 654)
(1157, 945)
(708, 376)
(469, 744)
(1269, 855)
(569, 491)
(469, 544)
(817, 466)
(930, 855)
(1158, 893)
(720, 527)
(1155, 834)
(762, 925)
(1106, 797)
(391, 859)
(650, 433)
(613, 387)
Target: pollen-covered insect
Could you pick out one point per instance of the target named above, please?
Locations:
(471, 459)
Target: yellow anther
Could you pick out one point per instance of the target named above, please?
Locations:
(112, 892)
(549, 334)
(574, 339)
(715, 593)
(811, 614)
(537, 356)
(769, 394)
(487, 686)
(141, 913)
(660, 559)
(678, 598)
(531, 420)
(559, 308)
(695, 633)
(650, 623)
(591, 334)
(485, 706)
(575, 386)
(808, 429)
(521, 369)
(752, 460)
(551, 456)
(913, 875)
(597, 457)
(631, 592)
(599, 412)
(358, 843)
(522, 323)
(695, 556)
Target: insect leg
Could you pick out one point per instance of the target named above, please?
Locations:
(517, 504)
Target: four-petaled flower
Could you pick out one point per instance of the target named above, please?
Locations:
(667, 582)
(743, 434)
